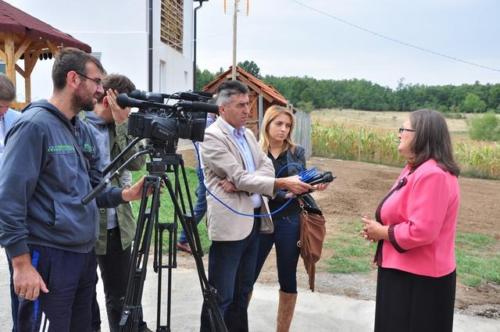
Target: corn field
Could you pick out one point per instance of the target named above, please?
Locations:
(376, 145)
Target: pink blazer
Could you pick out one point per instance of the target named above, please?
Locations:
(422, 219)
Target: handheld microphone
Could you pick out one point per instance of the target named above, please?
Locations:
(326, 177)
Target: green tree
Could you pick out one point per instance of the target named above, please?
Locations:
(203, 78)
(250, 67)
(473, 104)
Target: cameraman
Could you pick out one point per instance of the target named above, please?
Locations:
(108, 123)
(49, 165)
(240, 173)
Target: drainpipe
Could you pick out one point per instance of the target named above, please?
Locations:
(194, 41)
(150, 47)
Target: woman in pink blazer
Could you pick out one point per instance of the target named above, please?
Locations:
(415, 228)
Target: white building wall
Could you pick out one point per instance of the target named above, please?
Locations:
(118, 30)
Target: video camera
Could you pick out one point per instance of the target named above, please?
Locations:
(161, 121)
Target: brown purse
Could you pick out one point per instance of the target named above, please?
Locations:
(312, 235)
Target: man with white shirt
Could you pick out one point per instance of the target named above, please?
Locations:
(239, 173)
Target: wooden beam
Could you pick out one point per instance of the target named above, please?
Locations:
(53, 48)
(20, 71)
(27, 89)
(22, 48)
(30, 62)
(3, 56)
(10, 63)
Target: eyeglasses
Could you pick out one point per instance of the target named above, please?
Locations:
(405, 129)
(97, 81)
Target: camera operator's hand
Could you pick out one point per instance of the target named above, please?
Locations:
(293, 184)
(27, 281)
(134, 192)
(120, 115)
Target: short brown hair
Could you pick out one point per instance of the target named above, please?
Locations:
(7, 89)
(71, 59)
(432, 140)
(120, 83)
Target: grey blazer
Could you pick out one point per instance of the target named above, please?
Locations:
(221, 159)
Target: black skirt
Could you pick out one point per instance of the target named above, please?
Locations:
(411, 303)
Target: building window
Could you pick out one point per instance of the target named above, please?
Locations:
(172, 23)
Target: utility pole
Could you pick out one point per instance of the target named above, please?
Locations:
(235, 33)
(235, 38)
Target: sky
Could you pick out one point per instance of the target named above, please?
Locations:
(309, 38)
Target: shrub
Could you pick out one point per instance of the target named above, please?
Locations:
(485, 128)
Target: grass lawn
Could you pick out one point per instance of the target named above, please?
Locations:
(477, 259)
(166, 206)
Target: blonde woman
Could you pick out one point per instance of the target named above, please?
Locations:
(288, 159)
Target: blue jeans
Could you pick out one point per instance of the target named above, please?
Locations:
(231, 268)
(70, 278)
(285, 237)
(200, 208)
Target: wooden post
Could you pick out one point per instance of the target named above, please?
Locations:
(10, 63)
(27, 78)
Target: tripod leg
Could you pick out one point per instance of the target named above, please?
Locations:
(209, 292)
(131, 314)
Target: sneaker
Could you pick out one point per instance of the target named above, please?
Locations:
(184, 246)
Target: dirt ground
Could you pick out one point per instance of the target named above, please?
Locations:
(357, 191)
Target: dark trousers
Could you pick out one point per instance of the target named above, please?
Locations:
(14, 301)
(413, 303)
(285, 237)
(231, 270)
(114, 268)
(70, 278)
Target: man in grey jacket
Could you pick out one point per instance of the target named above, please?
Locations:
(49, 165)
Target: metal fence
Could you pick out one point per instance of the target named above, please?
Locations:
(302, 132)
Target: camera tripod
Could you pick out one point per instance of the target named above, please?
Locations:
(162, 161)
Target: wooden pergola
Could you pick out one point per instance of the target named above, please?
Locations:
(24, 40)
(261, 95)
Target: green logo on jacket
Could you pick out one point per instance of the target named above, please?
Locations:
(61, 148)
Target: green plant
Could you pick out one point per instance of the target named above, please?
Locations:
(333, 140)
(485, 127)
(166, 212)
